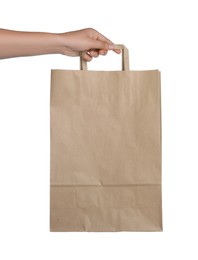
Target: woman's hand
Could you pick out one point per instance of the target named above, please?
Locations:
(88, 40)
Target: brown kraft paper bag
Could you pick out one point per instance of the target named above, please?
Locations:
(105, 149)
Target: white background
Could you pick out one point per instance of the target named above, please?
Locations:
(159, 34)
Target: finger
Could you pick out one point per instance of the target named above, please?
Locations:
(117, 51)
(109, 42)
(99, 45)
(104, 41)
(103, 52)
(101, 37)
(104, 47)
(94, 53)
(87, 57)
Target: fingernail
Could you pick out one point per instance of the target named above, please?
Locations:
(111, 47)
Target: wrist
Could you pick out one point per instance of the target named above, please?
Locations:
(61, 42)
(54, 43)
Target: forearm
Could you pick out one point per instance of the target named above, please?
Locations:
(89, 41)
(15, 44)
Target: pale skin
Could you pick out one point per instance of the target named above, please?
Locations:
(20, 44)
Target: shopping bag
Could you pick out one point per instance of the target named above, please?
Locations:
(105, 149)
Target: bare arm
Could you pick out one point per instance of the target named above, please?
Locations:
(17, 44)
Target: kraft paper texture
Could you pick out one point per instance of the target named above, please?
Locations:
(105, 150)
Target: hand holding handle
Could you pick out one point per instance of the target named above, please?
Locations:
(125, 58)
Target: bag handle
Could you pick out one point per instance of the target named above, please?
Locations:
(125, 58)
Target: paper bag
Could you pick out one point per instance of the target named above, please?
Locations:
(105, 150)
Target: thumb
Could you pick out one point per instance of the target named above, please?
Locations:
(97, 44)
